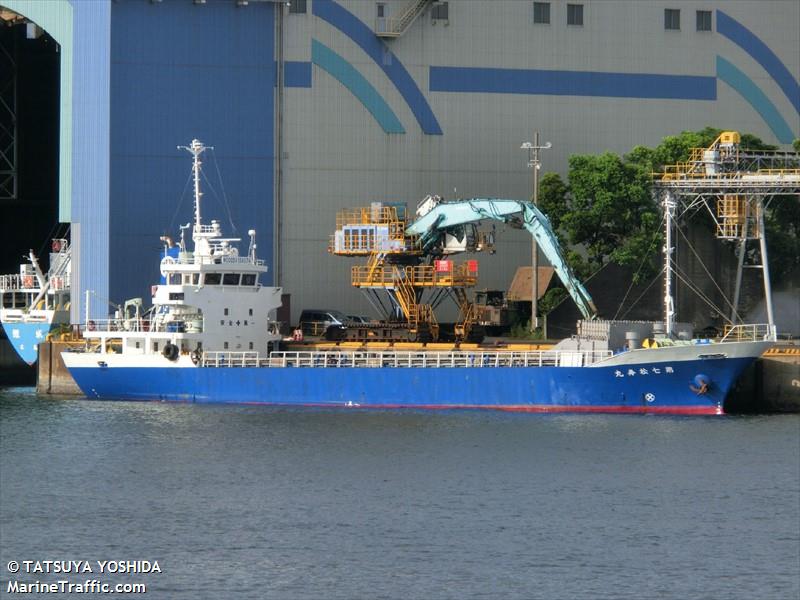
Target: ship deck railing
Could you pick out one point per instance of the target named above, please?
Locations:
(406, 359)
(216, 259)
(747, 332)
(139, 325)
(18, 283)
(29, 283)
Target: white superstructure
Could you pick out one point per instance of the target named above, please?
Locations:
(210, 299)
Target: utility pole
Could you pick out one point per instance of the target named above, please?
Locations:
(535, 164)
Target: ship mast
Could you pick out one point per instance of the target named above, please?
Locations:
(669, 302)
(196, 149)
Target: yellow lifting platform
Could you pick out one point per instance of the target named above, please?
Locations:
(398, 266)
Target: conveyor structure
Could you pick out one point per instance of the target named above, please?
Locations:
(734, 185)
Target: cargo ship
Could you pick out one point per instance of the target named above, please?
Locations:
(33, 303)
(211, 337)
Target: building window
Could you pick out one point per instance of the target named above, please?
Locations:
(381, 10)
(251, 345)
(440, 10)
(225, 345)
(703, 20)
(250, 311)
(297, 6)
(672, 18)
(575, 14)
(541, 12)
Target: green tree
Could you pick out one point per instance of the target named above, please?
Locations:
(611, 213)
(677, 148)
(782, 226)
(607, 207)
(553, 199)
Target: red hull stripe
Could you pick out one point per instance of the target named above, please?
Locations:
(534, 408)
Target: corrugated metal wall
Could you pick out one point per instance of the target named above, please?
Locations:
(181, 71)
(90, 161)
(644, 83)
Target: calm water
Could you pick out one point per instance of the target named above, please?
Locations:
(243, 502)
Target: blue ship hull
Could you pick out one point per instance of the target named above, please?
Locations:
(656, 388)
(26, 337)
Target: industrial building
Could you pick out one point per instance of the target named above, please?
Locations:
(317, 105)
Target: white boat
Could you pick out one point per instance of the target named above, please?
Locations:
(210, 337)
(33, 303)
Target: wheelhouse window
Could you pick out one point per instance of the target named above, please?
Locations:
(248, 279)
(230, 279)
(212, 278)
(672, 19)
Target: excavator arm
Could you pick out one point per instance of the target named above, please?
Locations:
(442, 215)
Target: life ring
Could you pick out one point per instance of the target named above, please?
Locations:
(196, 356)
(27, 281)
(56, 245)
(170, 352)
(90, 326)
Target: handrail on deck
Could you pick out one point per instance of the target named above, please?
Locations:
(404, 359)
(750, 332)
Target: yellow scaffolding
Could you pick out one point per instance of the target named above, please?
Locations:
(385, 276)
(378, 232)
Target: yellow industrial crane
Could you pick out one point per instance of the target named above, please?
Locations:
(414, 280)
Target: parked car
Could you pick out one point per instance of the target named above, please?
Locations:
(315, 322)
(358, 319)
